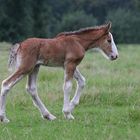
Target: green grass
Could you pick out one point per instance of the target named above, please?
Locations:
(109, 107)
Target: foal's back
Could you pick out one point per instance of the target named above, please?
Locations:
(50, 52)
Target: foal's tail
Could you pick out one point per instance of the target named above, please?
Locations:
(12, 62)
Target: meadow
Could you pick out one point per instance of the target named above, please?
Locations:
(109, 108)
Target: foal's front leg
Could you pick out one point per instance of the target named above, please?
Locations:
(80, 85)
(69, 71)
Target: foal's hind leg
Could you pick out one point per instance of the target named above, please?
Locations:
(80, 85)
(32, 89)
(6, 85)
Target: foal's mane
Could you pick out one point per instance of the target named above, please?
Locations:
(82, 30)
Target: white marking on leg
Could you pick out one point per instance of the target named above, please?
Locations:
(4, 90)
(80, 85)
(67, 88)
(31, 88)
(66, 107)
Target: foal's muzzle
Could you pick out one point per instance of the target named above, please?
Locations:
(113, 57)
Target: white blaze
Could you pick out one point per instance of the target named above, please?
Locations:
(114, 48)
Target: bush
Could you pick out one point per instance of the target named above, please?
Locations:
(75, 20)
(125, 25)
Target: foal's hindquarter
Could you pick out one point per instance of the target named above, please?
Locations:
(35, 52)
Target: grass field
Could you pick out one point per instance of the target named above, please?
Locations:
(109, 107)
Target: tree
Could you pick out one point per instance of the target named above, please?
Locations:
(45, 18)
(14, 20)
(125, 25)
(137, 4)
(75, 20)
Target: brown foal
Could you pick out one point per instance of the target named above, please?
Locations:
(65, 50)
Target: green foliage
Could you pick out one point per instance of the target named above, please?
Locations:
(15, 23)
(137, 3)
(125, 25)
(41, 18)
(76, 20)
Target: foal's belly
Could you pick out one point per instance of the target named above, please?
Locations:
(52, 62)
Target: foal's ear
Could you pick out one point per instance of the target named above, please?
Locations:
(108, 26)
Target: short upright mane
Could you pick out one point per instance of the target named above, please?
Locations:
(82, 30)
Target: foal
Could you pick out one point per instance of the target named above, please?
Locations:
(65, 50)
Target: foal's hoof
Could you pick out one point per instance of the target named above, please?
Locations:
(69, 116)
(3, 119)
(49, 117)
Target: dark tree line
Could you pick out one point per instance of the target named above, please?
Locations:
(20, 19)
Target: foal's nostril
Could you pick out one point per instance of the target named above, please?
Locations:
(116, 57)
(113, 57)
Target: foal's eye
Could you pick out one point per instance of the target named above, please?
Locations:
(109, 41)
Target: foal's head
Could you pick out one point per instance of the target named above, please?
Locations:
(107, 45)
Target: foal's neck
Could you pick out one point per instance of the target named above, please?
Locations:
(89, 40)
(87, 43)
